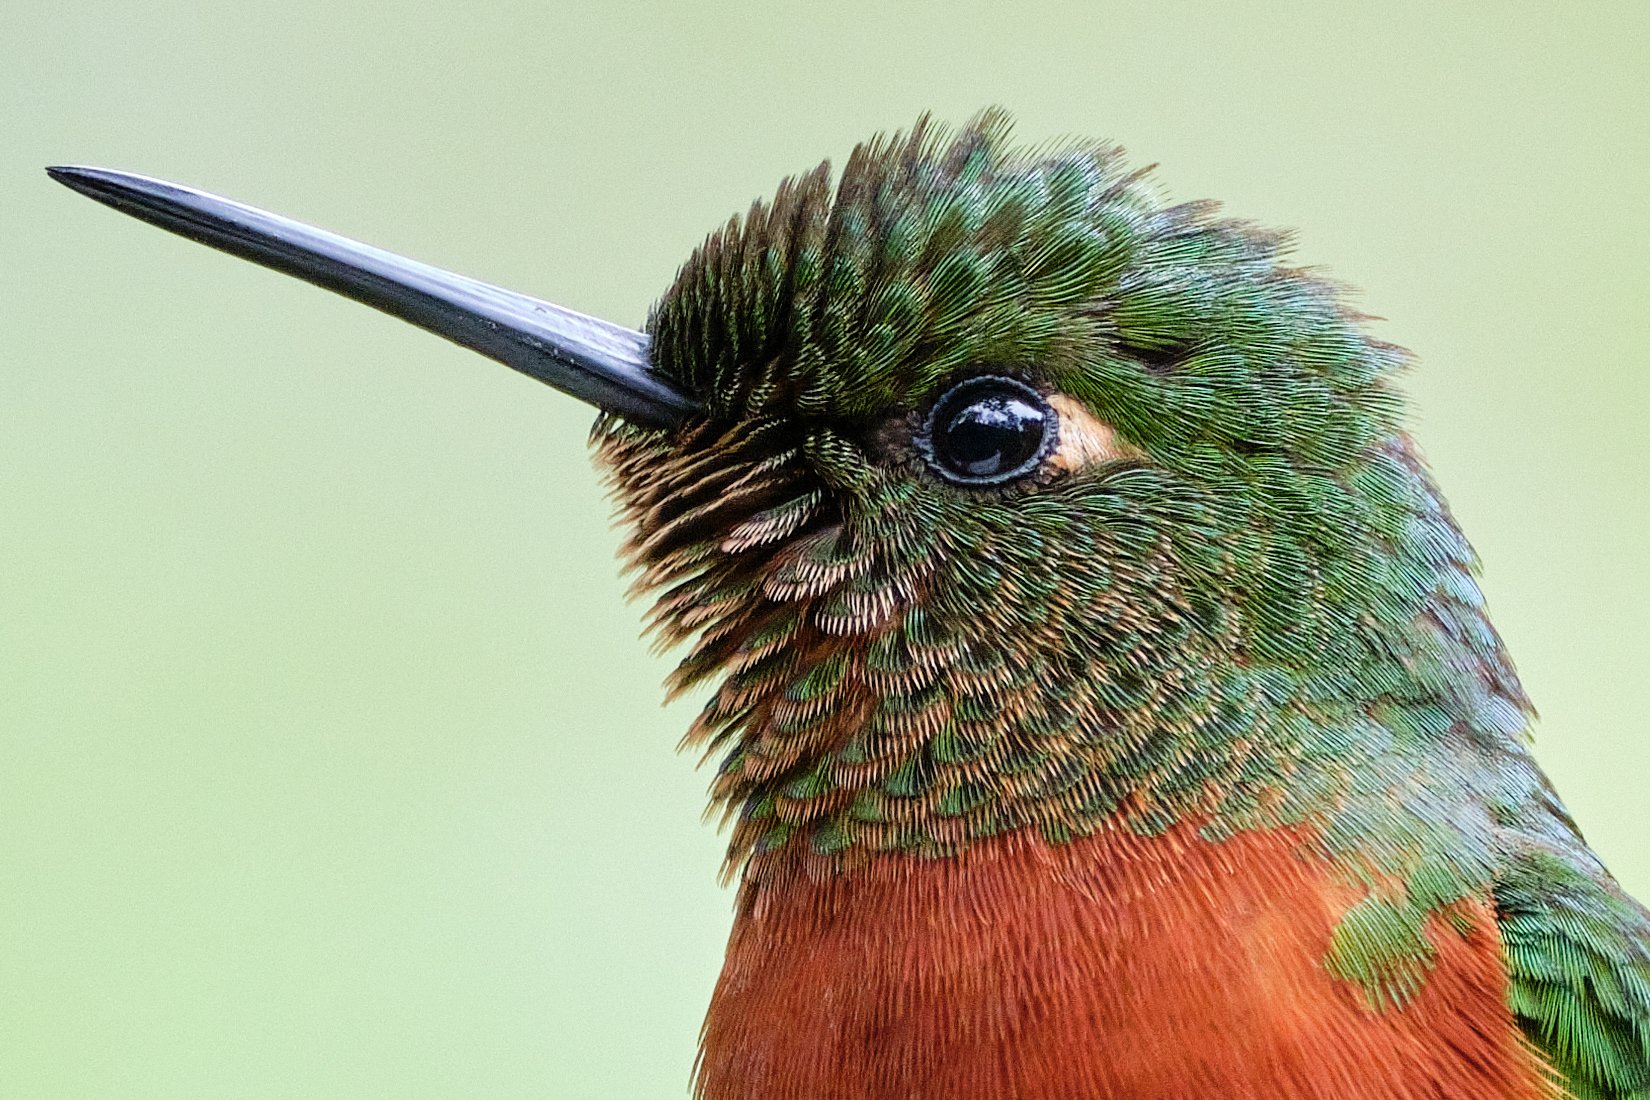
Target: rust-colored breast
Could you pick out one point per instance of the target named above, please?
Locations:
(1111, 967)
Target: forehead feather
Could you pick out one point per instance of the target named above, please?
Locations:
(937, 252)
(934, 250)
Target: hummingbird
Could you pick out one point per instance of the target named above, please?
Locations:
(1101, 695)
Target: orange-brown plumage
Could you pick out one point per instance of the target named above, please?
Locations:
(1116, 966)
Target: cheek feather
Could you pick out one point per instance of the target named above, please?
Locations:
(1085, 440)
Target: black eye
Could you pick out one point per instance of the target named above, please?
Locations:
(987, 430)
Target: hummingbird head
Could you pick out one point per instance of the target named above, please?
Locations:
(1021, 498)
(992, 492)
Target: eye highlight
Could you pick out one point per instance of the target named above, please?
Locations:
(988, 430)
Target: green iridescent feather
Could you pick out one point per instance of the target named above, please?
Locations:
(1262, 616)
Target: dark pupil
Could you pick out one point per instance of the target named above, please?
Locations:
(989, 434)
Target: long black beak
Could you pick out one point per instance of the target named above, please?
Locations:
(602, 363)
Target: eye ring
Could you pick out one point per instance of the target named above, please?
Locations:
(988, 430)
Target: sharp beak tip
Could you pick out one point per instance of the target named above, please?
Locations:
(94, 183)
(71, 175)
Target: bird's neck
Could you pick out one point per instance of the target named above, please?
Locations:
(917, 741)
(922, 703)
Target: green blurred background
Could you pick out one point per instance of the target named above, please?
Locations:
(330, 762)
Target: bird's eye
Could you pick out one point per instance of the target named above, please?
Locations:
(987, 430)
